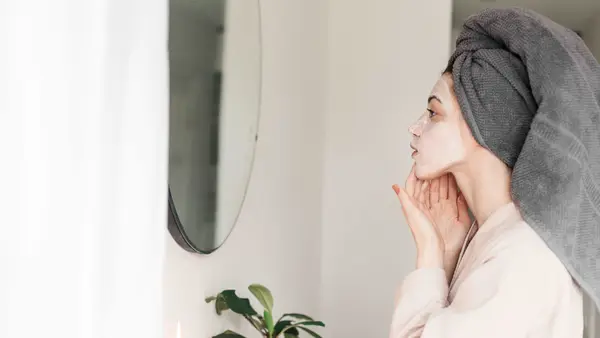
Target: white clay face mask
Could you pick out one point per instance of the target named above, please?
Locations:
(439, 143)
(441, 89)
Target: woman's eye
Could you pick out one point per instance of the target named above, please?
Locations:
(431, 113)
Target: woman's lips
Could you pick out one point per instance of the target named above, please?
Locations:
(415, 151)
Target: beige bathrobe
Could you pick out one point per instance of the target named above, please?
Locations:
(507, 284)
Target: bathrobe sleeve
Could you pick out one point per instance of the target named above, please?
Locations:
(502, 298)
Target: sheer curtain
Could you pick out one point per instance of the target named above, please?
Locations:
(83, 178)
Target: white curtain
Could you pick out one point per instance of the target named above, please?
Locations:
(83, 178)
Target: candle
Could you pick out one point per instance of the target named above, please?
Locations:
(178, 329)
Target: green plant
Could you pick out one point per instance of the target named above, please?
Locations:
(288, 325)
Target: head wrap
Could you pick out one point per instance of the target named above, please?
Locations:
(529, 90)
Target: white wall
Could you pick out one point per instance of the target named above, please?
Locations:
(379, 75)
(277, 240)
(337, 102)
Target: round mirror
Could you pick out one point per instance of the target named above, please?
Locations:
(215, 69)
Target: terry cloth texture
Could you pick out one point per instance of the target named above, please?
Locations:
(529, 90)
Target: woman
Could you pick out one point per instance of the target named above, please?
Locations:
(507, 282)
(503, 275)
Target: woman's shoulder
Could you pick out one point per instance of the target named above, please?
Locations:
(514, 253)
(522, 249)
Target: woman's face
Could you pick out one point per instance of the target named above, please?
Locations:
(440, 135)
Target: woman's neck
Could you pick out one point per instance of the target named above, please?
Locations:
(485, 183)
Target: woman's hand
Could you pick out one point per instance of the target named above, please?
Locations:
(428, 239)
(449, 213)
(438, 219)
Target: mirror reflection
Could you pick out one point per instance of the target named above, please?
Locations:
(214, 62)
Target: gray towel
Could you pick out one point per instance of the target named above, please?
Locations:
(529, 90)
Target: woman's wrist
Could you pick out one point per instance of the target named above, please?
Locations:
(430, 256)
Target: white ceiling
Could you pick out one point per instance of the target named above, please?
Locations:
(573, 14)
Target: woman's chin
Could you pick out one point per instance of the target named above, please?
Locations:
(424, 172)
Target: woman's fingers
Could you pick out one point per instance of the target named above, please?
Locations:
(418, 186)
(424, 195)
(434, 195)
(452, 188)
(463, 209)
(444, 187)
(420, 226)
(408, 206)
(411, 182)
(427, 196)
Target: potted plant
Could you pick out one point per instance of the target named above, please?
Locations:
(288, 325)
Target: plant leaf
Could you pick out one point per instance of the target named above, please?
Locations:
(300, 325)
(289, 335)
(269, 322)
(281, 324)
(210, 299)
(263, 295)
(228, 334)
(296, 315)
(291, 331)
(310, 332)
(221, 305)
(236, 304)
(310, 323)
(257, 323)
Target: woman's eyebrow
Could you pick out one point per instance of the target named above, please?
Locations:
(433, 97)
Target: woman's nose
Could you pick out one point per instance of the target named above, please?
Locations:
(415, 128)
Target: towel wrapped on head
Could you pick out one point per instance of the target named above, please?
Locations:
(529, 90)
